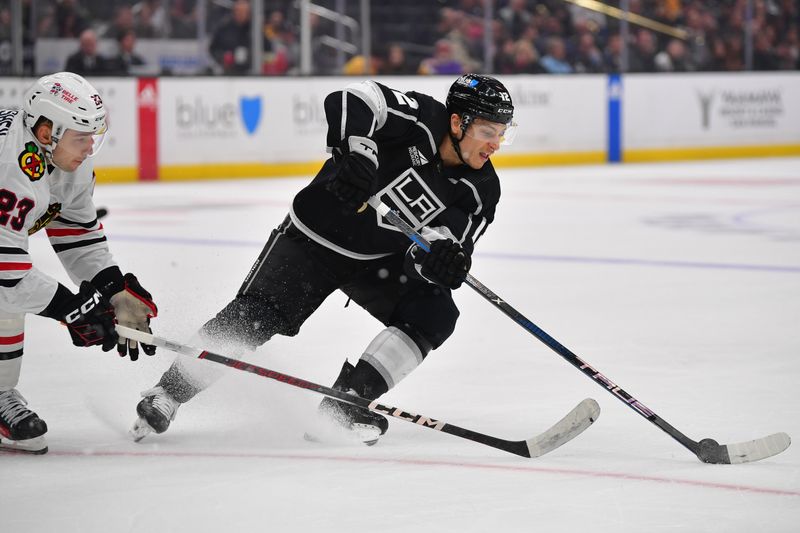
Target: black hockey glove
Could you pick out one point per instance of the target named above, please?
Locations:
(88, 316)
(446, 264)
(355, 180)
(134, 308)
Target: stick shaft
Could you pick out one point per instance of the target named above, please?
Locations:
(516, 447)
(394, 218)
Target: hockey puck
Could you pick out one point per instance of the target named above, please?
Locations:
(711, 452)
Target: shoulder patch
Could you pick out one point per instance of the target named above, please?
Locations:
(52, 212)
(31, 162)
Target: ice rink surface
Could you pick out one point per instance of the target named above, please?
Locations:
(679, 282)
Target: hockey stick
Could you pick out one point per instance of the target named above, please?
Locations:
(707, 450)
(569, 427)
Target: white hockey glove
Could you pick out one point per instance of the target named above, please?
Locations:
(134, 307)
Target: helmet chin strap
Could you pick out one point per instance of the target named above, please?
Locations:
(456, 141)
(47, 149)
(465, 120)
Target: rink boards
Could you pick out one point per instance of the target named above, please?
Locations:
(185, 128)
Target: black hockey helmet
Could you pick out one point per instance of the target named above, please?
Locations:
(476, 95)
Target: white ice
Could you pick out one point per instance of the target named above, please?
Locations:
(680, 282)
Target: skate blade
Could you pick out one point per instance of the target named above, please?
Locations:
(369, 435)
(35, 446)
(330, 432)
(140, 430)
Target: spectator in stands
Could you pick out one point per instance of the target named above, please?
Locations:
(71, 18)
(280, 45)
(666, 12)
(526, 58)
(5, 23)
(695, 23)
(473, 8)
(357, 66)
(555, 61)
(230, 44)
(673, 58)
(469, 37)
(396, 63)
(764, 56)
(588, 57)
(123, 22)
(612, 54)
(86, 61)
(587, 17)
(716, 31)
(126, 61)
(718, 53)
(789, 50)
(516, 17)
(6, 66)
(443, 60)
(182, 20)
(457, 28)
(499, 34)
(550, 25)
(276, 27)
(151, 19)
(734, 61)
(504, 57)
(46, 25)
(641, 56)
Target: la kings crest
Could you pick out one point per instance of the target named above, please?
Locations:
(411, 196)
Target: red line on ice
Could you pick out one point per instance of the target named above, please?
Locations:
(424, 462)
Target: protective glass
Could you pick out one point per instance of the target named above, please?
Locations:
(494, 132)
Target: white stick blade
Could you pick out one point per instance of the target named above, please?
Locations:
(566, 429)
(134, 334)
(755, 450)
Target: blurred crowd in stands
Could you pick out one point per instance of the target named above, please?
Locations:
(430, 36)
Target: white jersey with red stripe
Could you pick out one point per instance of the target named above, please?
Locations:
(35, 194)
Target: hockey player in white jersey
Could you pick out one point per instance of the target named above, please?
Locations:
(429, 161)
(46, 182)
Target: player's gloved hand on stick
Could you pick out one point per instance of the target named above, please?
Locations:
(446, 264)
(355, 180)
(88, 315)
(134, 308)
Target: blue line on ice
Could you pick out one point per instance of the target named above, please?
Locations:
(182, 241)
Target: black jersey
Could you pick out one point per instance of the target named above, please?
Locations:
(407, 129)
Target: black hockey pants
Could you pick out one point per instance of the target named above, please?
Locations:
(293, 275)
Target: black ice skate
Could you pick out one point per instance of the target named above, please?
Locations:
(156, 410)
(365, 425)
(21, 430)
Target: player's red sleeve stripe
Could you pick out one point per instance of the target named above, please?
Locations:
(16, 266)
(16, 339)
(67, 232)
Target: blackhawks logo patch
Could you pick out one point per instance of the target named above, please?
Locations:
(31, 162)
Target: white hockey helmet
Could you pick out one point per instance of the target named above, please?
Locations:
(69, 102)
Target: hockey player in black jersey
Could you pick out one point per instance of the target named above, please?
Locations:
(430, 162)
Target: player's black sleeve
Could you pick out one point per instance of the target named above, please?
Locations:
(371, 110)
